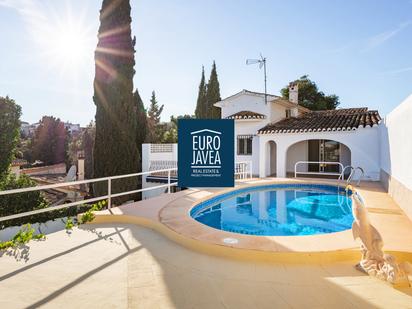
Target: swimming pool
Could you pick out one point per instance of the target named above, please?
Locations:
(279, 209)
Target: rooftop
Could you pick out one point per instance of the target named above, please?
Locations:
(246, 115)
(329, 120)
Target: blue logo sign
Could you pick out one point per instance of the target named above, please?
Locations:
(206, 153)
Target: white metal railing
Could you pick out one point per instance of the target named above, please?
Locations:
(352, 174)
(342, 174)
(243, 170)
(319, 173)
(108, 196)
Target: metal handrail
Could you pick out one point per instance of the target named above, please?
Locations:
(318, 173)
(342, 175)
(109, 195)
(352, 174)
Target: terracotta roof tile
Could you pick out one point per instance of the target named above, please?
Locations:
(246, 115)
(330, 120)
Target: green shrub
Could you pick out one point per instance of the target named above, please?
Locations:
(69, 224)
(88, 216)
(19, 202)
(23, 236)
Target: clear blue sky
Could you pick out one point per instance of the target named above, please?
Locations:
(359, 50)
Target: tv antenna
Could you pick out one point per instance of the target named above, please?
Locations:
(262, 63)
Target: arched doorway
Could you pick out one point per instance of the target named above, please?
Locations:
(317, 150)
(271, 161)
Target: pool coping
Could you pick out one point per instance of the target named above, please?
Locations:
(170, 215)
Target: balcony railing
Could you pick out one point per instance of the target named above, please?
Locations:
(243, 170)
(75, 184)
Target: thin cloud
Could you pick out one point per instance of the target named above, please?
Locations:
(381, 38)
(398, 71)
(30, 12)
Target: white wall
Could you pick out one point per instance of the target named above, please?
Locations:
(249, 127)
(396, 155)
(255, 103)
(396, 143)
(297, 152)
(363, 143)
(245, 102)
(147, 156)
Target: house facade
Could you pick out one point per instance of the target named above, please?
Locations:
(273, 137)
(276, 135)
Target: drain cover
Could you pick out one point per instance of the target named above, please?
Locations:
(230, 240)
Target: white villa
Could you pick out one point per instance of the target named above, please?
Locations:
(276, 135)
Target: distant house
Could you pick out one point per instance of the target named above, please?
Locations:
(72, 128)
(24, 128)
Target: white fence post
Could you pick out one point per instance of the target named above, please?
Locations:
(109, 193)
(168, 181)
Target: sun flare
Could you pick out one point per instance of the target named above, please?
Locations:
(65, 40)
(68, 45)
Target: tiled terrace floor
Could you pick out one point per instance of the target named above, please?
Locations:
(120, 266)
(168, 214)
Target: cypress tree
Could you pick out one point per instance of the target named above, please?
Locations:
(115, 149)
(141, 120)
(213, 94)
(154, 111)
(155, 131)
(201, 104)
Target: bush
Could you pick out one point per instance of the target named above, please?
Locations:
(23, 236)
(19, 202)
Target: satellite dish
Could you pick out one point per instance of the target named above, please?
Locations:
(71, 175)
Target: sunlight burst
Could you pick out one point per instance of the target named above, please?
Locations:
(65, 39)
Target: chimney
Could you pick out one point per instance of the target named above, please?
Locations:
(293, 93)
(80, 165)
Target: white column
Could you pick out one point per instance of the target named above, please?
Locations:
(281, 160)
(262, 157)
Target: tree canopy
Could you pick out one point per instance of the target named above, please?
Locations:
(10, 114)
(170, 134)
(154, 128)
(208, 95)
(213, 94)
(310, 96)
(201, 104)
(50, 141)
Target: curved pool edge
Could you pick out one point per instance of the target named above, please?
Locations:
(222, 197)
(174, 221)
(291, 257)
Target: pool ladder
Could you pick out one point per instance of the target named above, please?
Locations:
(351, 174)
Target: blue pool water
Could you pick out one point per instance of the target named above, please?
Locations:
(278, 210)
